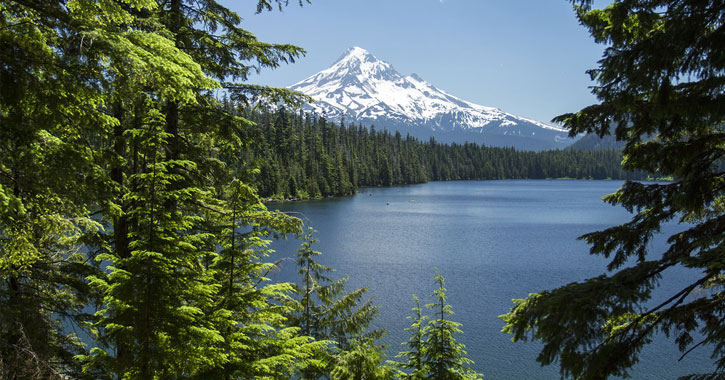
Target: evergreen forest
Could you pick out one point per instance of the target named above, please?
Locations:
(301, 156)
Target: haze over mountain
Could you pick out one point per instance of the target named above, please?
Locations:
(370, 91)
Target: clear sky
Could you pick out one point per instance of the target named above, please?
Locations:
(526, 57)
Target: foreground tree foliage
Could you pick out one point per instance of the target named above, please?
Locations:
(364, 360)
(661, 84)
(51, 112)
(326, 312)
(174, 194)
(433, 351)
(117, 189)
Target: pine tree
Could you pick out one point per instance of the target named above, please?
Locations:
(443, 357)
(319, 158)
(660, 88)
(155, 296)
(416, 344)
(108, 122)
(363, 361)
(172, 211)
(327, 312)
(249, 309)
(53, 117)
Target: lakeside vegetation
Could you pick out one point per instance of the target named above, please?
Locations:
(301, 156)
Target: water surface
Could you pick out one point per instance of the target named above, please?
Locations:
(493, 241)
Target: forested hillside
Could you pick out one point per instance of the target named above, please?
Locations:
(303, 156)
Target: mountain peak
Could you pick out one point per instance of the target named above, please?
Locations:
(368, 90)
(357, 55)
(359, 65)
(355, 51)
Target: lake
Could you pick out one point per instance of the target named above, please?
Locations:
(493, 241)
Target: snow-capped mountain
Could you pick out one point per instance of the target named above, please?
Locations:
(369, 91)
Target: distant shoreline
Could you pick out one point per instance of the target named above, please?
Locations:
(296, 199)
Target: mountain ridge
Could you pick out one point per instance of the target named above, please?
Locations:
(364, 89)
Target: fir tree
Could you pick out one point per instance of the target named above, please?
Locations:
(363, 361)
(416, 344)
(443, 357)
(249, 309)
(327, 312)
(53, 118)
(660, 87)
(155, 297)
(171, 213)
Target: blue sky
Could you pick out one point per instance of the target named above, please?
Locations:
(526, 57)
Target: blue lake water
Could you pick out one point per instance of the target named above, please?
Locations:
(493, 241)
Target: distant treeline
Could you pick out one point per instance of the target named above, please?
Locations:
(303, 156)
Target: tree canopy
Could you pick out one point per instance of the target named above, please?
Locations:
(119, 208)
(661, 90)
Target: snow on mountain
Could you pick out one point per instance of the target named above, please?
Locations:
(367, 90)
